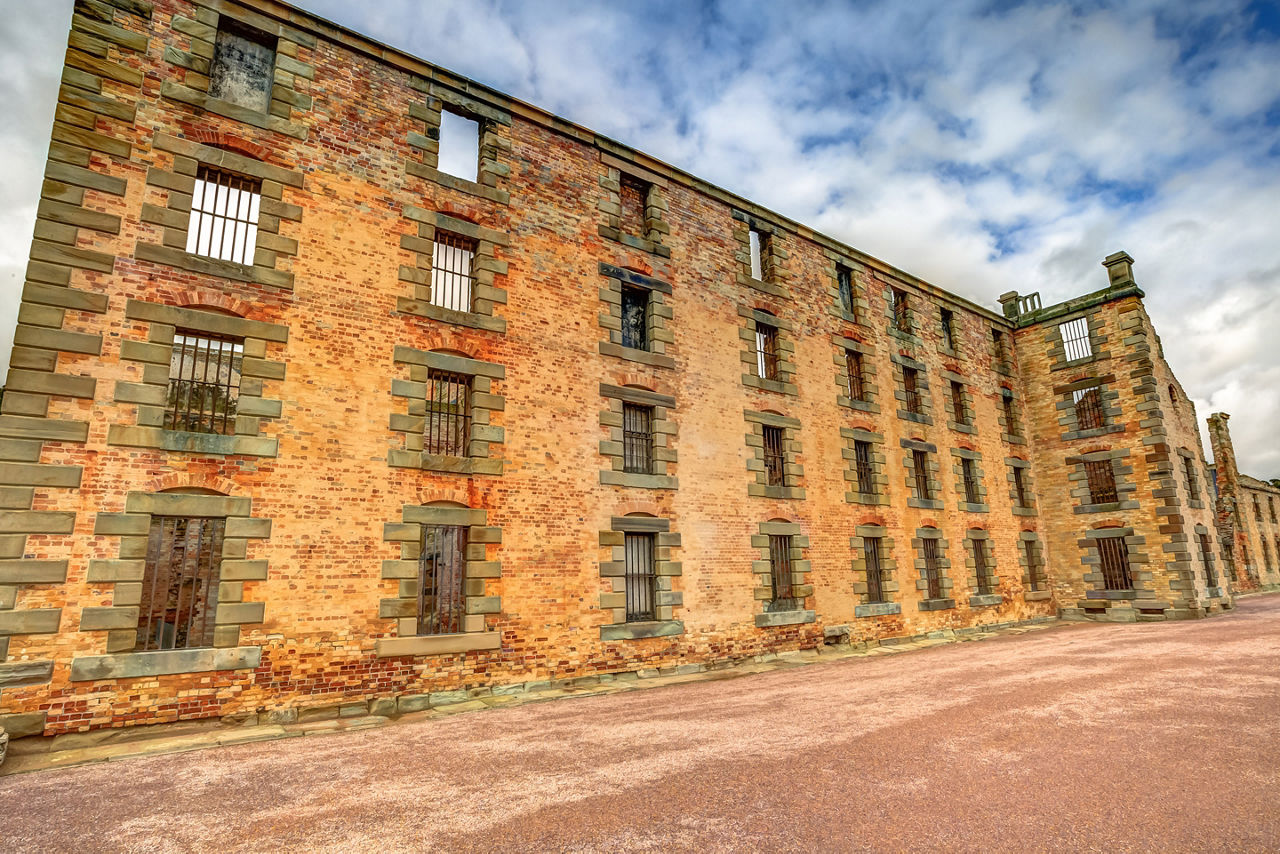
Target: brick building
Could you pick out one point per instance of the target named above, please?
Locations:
(339, 378)
(1246, 506)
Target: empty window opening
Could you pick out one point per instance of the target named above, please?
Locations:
(999, 346)
(1271, 505)
(854, 366)
(452, 271)
(1088, 407)
(1020, 487)
(204, 383)
(982, 568)
(969, 471)
(875, 570)
(1257, 509)
(1075, 339)
(1114, 554)
(634, 195)
(932, 569)
(637, 438)
(1101, 476)
(1206, 558)
(1035, 567)
(759, 248)
(775, 458)
(911, 390)
(1193, 483)
(243, 68)
(1011, 424)
(180, 583)
(948, 329)
(783, 588)
(901, 311)
(1266, 555)
(766, 351)
(862, 465)
(441, 566)
(844, 283)
(224, 216)
(635, 318)
(459, 146)
(959, 411)
(639, 577)
(448, 418)
(920, 465)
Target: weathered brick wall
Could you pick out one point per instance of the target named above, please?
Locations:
(353, 189)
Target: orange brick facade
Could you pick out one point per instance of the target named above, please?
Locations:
(324, 485)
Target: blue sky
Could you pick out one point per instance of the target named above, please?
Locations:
(985, 146)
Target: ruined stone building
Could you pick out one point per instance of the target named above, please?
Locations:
(340, 378)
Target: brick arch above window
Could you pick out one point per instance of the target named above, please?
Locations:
(178, 481)
(230, 142)
(203, 299)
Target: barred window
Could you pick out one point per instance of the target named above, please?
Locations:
(759, 249)
(637, 438)
(875, 570)
(1035, 567)
(1088, 407)
(911, 390)
(224, 216)
(783, 590)
(901, 310)
(448, 419)
(1011, 424)
(452, 273)
(932, 569)
(766, 351)
(1075, 339)
(1114, 553)
(969, 472)
(948, 329)
(920, 465)
(1206, 558)
(459, 146)
(844, 282)
(959, 412)
(1101, 476)
(1000, 346)
(856, 369)
(1193, 484)
(242, 70)
(635, 318)
(862, 464)
(640, 576)
(775, 458)
(180, 583)
(634, 194)
(982, 568)
(1020, 487)
(204, 382)
(441, 568)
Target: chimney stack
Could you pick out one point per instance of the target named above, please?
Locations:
(1119, 269)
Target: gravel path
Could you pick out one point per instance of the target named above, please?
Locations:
(1088, 737)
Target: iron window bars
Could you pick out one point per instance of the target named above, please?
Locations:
(1114, 553)
(639, 576)
(844, 283)
(1088, 407)
(1075, 339)
(920, 467)
(1020, 487)
(1206, 557)
(932, 569)
(452, 271)
(441, 568)
(447, 425)
(635, 318)
(775, 458)
(766, 351)
(1102, 482)
(862, 465)
(784, 598)
(958, 411)
(224, 216)
(634, 195)
(1035, 569)
(180, 583)
(970, 476)
(875, 570)
(982, 568)
(857, 381)
(911, 389)
(637, 438)
(204, 383)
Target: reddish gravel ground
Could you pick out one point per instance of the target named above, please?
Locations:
(1087, 738)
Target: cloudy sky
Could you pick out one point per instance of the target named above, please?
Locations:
(985, 146)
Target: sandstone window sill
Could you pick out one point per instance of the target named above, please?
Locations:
(469, 319)
(437, 644)
(631, 354)
(211, 444)
(936, 604)
(641, 630)
(877, 609)
(785, 618)
(453, 182)
(1037, 595)
(163, 663)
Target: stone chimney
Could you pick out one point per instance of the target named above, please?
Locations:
(1009, 304)
(1119, 269)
